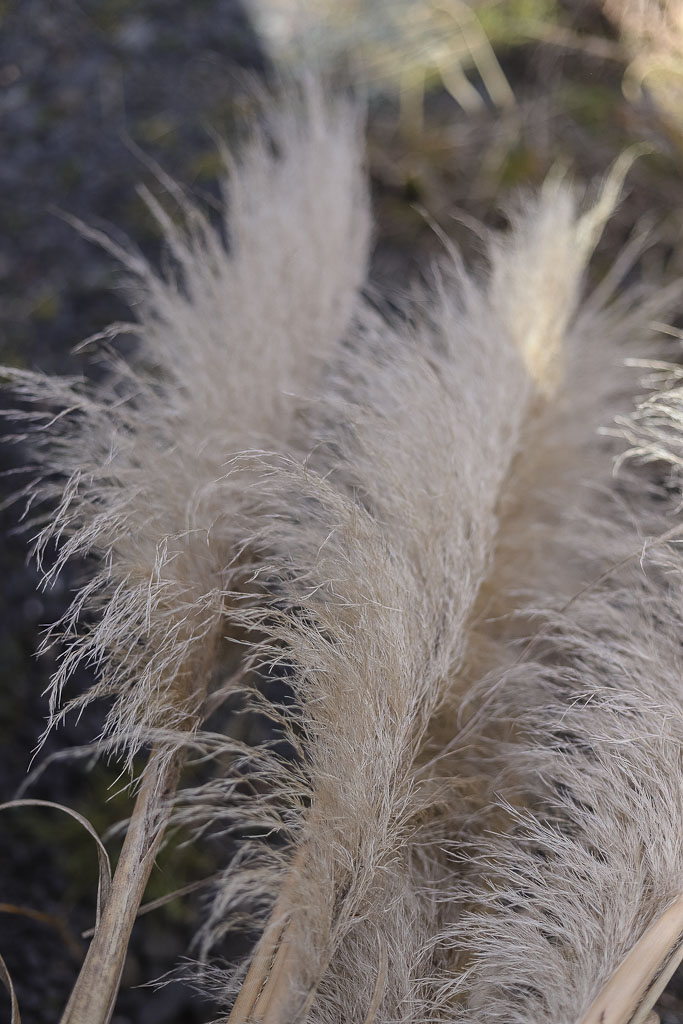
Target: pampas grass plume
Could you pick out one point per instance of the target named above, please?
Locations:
(134, 469)
(390, 530)
(410, 520)
(138, 463)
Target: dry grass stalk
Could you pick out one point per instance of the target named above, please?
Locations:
(7, 982)
(267, 964)
(94, 996)
(634, 988)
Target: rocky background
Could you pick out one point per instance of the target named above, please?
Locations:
(91, 93)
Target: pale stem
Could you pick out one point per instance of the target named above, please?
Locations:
(635, 986)
(94, 994)
(275, 970)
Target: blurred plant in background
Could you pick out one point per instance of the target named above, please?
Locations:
(652, 33)
(407, 45)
